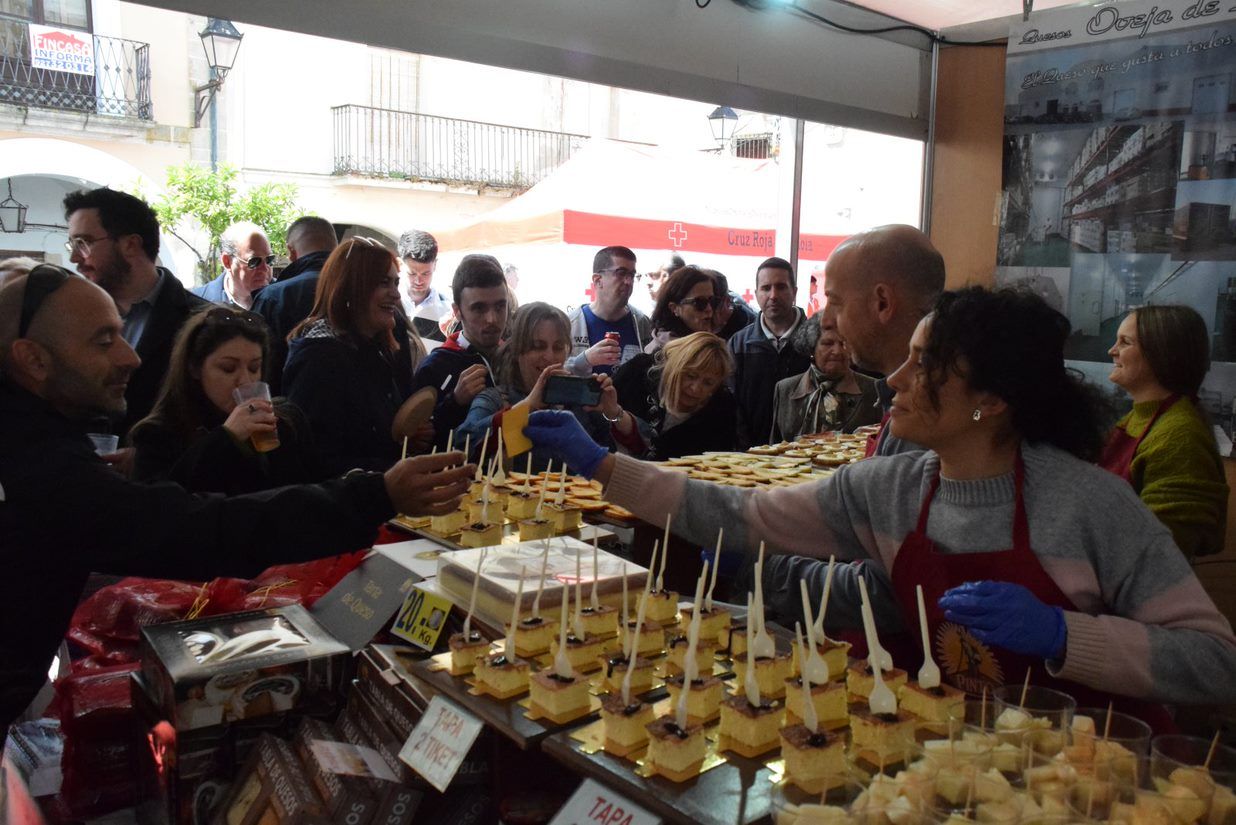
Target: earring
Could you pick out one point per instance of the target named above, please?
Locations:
(977, 414)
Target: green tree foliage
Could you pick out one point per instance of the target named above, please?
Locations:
(200, 198)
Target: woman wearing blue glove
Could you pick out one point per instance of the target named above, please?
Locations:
(1029, 556)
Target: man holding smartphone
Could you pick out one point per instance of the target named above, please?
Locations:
(608, 331)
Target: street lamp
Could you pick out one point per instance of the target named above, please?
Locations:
(12, 213)
(221, 42)
(722, 122)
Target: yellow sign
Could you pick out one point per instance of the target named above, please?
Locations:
(513, 422)
(421, 618)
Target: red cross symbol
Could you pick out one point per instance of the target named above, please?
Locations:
(748, 295)
(678, 235)
(591, 292)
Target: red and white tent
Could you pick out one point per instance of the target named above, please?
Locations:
(716, 211)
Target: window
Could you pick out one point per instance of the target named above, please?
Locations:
(70, 13)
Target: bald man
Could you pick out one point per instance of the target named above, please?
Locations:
(64, 512)
(248, 265)
(878, 285)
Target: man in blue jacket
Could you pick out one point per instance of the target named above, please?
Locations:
(247, 266)
(288, 301)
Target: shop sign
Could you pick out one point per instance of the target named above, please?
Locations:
(440, 741)
(61, 50)
(594, 804)
(421, 618)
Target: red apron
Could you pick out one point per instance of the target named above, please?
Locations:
(1120, 448)
(964, 661)
(873, 440)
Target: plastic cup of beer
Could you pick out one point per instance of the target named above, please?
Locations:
(263, 442)
(104, 444)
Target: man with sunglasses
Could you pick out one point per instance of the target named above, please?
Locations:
(608, 331)
(248, 265)
(65, 513)
(114, 242)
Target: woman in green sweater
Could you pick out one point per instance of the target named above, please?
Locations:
(1164, 447)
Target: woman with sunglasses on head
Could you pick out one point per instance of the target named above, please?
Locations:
(350, 362)
(1029, 556)
(829, 396)
(537, 348)
(685, 304)
(199, 437)
(1165, 447)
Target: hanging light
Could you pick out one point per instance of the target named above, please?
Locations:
(12, 213)
(722, 122)
(221, 43)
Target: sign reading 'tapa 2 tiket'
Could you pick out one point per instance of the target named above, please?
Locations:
(61, 50)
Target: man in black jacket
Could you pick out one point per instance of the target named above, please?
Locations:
(763, 354)
(114, 241)
(288, 301)
(463, 366)
(65, 513)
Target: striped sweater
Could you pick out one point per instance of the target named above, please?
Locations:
(1144, 627)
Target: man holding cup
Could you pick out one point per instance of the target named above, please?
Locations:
(64, 512)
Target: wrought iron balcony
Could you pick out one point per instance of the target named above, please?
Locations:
(120, 85)
(410, 146)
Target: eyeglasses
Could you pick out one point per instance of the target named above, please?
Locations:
(42, 281)
(622, 272)
(256, 261)
(701, 303)
(82, 245)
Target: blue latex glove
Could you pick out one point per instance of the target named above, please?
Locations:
(561, 433)
(1009, 616)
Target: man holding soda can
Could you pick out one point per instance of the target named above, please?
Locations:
(608, 331)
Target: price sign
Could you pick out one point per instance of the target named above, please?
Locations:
(421, 618)
(594, 804)
(440, 741)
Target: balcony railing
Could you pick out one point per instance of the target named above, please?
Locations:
(120, 85)
(410, 146)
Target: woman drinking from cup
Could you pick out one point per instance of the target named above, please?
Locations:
(201, 436)
(1164, 447)
(1029, 556)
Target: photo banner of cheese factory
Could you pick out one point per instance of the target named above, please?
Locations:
(1120, 172)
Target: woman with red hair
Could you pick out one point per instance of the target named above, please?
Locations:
(346, 367)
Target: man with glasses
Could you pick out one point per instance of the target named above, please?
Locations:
(248, 265)
(608, 331)
(64, 512)
(114, 242)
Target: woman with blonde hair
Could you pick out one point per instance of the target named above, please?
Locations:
(1164, 447)
(346, 368)
(682, 402)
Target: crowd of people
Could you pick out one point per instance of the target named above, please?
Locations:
(984, 436)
